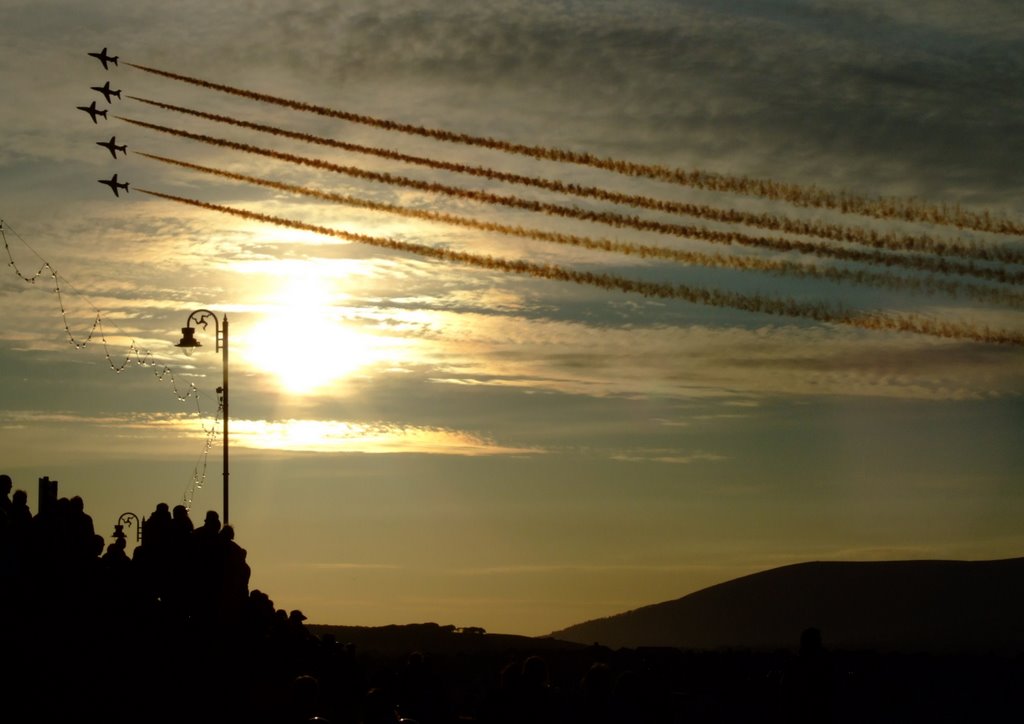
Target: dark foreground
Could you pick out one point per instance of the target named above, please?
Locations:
(173, 634)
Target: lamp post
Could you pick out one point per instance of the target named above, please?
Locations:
(188, 342)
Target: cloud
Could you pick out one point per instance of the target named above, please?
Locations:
(562, 568)
(336, 436)
(341, 566)
(666, 456)
(292, 435)
(697, 361)
(746, 81)
(792, 89)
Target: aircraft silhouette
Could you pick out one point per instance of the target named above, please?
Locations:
(113, 184)
(110, 146)
(91, 110)
(105, 90)
(103, 58)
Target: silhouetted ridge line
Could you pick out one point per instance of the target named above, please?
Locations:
(697, 295)
(741, 263)
(774, 222)
(918, 605)
(920, 263)
(883, 208)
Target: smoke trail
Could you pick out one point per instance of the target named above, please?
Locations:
(920, 263)
(781, 268)
(807, 196)
(697, 295)
(887, 240)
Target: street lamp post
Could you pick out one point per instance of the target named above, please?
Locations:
(188, 342)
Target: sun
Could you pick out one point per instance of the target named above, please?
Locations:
(302, 339)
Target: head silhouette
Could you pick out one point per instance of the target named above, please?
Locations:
(810, 642)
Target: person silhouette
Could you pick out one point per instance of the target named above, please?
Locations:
(809, 680)
(304, 701)
(21, 516)
(5, 491)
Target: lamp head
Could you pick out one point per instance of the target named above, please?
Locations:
(188, 339)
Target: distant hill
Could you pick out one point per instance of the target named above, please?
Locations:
(898, 606)
(436, 639)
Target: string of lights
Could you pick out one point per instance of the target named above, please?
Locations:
(132, 356)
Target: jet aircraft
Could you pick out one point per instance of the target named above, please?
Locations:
(103, 58)
(110, 146)
(105, 90)
(91, 110)
(114, 185)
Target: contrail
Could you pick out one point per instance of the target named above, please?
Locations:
(887, 240)
(920, 263)
(806, 196)
(781, 268)
(697, 295)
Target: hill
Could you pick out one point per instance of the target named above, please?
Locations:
(898, 606)
(401, 639)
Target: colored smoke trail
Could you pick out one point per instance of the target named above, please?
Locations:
(786, 268)
(806, 196)
(697, 295)
(774, 222)
(920, 263)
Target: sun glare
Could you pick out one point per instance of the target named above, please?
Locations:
(303, 341)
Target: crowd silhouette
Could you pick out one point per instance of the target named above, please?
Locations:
(172, 632)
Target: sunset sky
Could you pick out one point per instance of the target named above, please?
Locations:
(417, 438)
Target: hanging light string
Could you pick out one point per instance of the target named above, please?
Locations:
(133, 354)
(199, 469)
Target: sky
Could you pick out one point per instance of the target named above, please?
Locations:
(482, 401)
